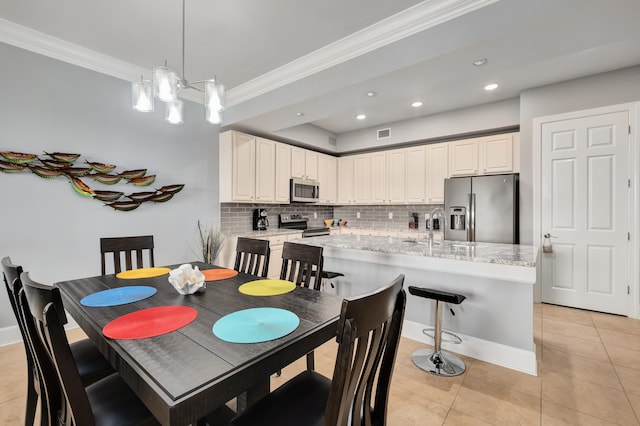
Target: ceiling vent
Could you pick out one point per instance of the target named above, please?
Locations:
(384, 133)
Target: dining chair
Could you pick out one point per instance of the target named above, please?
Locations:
(300, 265)
(109, 401)
(298, 262)
(252, 256)
(368, 337)
(127, 246)
(92, 366)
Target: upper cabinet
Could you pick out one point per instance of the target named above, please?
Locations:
(485, 155)
(304, 163)
(437, 171)
(345, 180)
(327, 179)
(416, 174)
(252, 169)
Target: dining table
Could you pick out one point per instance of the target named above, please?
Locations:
(184, 375)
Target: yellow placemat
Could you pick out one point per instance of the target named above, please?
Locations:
(143, 273)
(266, 287)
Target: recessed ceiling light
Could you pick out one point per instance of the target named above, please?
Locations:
(299, 114)
(480, 62)
(416, 104)
(492, 86)
(361, 116)
(371, 94)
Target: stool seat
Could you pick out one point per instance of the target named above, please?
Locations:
(440, 295)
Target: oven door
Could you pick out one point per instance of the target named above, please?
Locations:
(304, 191)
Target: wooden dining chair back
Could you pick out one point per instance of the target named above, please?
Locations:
(110, 400)
(252, 256)
(358, 395)
(128, 247)
(298, 262)
(11, 275)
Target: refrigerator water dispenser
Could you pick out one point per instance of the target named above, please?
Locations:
(457, 215)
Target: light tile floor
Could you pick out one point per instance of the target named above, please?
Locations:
(589, 374)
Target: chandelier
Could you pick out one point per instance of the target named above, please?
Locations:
(166, 85)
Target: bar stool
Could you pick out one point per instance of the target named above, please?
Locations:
(436, 361)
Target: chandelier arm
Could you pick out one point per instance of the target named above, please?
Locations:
(183, 8)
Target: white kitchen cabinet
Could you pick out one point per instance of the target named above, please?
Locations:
(345, 180)
(282, 173)
(480, 156)
(463, 158)
(237, 155)
(379, 179)
(436, 172)
(396, 176)
(304, 163)
(265, 170)
(276, 244)
(416, 161)
(496, 154)
(327, 178)
(362, 179)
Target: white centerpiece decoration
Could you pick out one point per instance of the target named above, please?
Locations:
(187, 280)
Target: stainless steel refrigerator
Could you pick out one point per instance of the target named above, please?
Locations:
(482, 209)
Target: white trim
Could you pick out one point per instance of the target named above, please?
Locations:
(633, 109)
(10, 335)
(484, 350)
(413, 20)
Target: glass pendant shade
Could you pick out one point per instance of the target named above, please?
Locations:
(142, 95)
(213, 101)
(173, 112)
(165, 84)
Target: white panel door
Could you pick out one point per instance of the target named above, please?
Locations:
(585, 207)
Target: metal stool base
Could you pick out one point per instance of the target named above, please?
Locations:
(439, 363)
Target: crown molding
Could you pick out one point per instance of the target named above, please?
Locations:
(410, 21)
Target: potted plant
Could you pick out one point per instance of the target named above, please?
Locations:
(211, 240)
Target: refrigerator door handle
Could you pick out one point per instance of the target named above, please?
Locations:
(467, 217)
(472, 214)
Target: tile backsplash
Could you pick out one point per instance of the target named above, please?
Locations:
(237, 217)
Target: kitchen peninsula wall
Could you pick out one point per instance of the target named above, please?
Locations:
(237, 217)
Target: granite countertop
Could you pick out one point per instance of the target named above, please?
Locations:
(504, 254)
(271, 232)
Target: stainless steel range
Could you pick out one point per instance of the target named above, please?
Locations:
(297, 221)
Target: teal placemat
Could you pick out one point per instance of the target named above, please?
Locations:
(255, 325)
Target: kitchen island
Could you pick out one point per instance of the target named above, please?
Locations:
(495, 321)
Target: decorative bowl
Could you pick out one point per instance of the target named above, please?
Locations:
(343, 223)
(328, 222)
(187, 279)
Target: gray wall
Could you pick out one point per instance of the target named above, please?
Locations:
(599, 90)
(48, 105)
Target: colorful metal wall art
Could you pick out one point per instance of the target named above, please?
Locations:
(60, 164)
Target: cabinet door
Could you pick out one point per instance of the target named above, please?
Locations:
(327, 170)
(345, 180)
(362, 179)
(496, 154)
(463, 158)
(298, 162)
(437, 156)
(244, 167)
(379, 177)
(265, 170)
(311, 165)
(416, 175)
(283, 173)
(396, 176)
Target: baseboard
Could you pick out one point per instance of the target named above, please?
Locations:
(484, 350)
(11, 334)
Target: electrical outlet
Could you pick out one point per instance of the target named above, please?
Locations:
(427, 216)
(315, 215)
(358, 215)
(390, 215)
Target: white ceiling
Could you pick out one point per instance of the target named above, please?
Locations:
(279, 57)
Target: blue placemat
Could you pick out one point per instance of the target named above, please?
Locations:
(255, 325)
(118, 296)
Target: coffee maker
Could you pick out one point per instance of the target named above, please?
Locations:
(260, 221)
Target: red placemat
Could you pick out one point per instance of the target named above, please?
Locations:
(149, 322)
(218, 274)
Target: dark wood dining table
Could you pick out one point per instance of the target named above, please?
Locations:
(186, 374)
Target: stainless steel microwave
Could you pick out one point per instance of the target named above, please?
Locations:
(304, 191)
